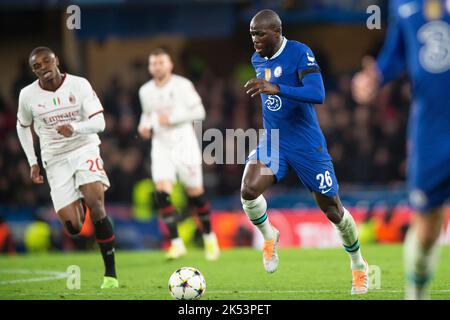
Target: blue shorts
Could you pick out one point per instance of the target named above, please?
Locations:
(428, 181)
(316, 175)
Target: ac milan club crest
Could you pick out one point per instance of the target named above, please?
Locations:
(72, 99)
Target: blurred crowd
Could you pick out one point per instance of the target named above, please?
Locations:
(367, 143)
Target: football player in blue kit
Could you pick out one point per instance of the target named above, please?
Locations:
(418, 42)
(289, 81)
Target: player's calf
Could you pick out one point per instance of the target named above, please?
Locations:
(72, 218)
(421, 253)
(103, 228)
(348, 232)
(168, 214)
(105, 237)
(346, 227)
(256, 211)
(202, 207)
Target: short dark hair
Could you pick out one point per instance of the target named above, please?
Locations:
(159, 51)
(38, 50)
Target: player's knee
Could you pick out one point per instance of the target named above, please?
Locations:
(97, 209)
(73, 229)
(333, 213)
(249, 191)
(428, 240)
(331, 207)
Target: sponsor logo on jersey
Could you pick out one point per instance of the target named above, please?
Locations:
(273, 102)
(66, 116)
(434, 55)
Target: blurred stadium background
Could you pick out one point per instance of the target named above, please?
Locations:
(210, 44)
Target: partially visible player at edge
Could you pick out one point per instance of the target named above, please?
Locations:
(290, 83)
(67, 115)
(170, 104)
(418, 41)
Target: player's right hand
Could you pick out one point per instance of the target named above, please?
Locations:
(365, 83)
(35, 174)
(145, 133)
(256, 86)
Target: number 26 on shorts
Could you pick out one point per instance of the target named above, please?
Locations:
(325, 180)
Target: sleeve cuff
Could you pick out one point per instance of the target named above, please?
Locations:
(22, 124)
(173, 119)
(282, 88)
(32, 162)
(74, 126)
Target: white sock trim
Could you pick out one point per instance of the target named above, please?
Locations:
(256, 211)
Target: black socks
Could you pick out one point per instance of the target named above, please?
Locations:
(104, 234)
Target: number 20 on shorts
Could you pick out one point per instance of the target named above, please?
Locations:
(95, 165)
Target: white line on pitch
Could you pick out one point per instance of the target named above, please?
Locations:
(50, 275)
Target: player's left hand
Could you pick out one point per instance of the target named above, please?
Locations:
(66, 130)
(256, 86)
(365, 83)
(163, 119)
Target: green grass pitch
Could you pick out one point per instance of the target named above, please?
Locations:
(315, 274)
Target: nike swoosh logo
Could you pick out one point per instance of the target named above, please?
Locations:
(258, 74)
(325, 191)
(311, 59)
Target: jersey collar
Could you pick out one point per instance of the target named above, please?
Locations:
(279, 50)
(63, 76)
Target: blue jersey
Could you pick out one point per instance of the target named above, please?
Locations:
(295, 70)
(418, 42)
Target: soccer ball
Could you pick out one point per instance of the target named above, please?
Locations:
(187, 283)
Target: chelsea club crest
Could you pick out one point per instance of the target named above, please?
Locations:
(277, 72)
